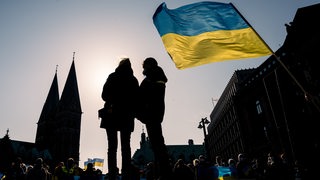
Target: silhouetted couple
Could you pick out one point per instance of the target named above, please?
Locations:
(127, 100)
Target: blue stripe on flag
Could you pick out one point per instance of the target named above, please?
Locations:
(197, 18)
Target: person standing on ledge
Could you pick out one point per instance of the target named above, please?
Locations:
(151, 112)
(119, 93)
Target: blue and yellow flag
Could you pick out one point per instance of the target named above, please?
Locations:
(98, 162)
(206, 32)
(221, 173)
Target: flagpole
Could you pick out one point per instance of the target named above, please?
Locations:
(307, 95)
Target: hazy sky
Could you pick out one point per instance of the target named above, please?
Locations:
(37, 35)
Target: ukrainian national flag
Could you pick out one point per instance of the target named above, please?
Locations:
(221, 173)
(98, 162)
(206, 32)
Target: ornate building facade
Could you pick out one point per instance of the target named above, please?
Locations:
(274, 107)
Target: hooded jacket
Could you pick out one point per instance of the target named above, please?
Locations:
(152, 96)
(120, 92)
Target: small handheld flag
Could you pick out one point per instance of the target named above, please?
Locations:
(98, 162)
(206, 32)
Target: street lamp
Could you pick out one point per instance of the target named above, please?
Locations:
(201, 125)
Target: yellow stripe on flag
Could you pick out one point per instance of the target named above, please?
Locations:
(217, 46)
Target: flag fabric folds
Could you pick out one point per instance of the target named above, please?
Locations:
(95, 161)
(226, 173)
(98, 162)
(206, 32)
(217, 172)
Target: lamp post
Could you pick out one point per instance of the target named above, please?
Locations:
(201, 125)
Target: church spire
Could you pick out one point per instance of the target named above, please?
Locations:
(143, 138)
(52, 100)
(47, 115)
(70, 98)
(59, 130)
(68, 120)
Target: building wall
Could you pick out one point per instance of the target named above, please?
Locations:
(276, 107)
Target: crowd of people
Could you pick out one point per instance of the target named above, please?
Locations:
(270, 167)
(68, 170)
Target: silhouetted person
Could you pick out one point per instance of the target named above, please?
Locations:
(15, 172)
(203, 169)
(58, 171)
(243, 166)
(119, 93)
(149, 171)
(90, 173)
(151, 112)
(219, 161)
(38, 172)
(135, 171)
(182, 171)
(65, 171)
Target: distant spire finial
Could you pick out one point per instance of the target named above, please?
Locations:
(7, 131)
(73, 55)
(57, 68)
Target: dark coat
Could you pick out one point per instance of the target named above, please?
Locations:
(120, 92)
(152, 96)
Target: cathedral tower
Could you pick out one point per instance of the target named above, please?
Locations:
(59, 124)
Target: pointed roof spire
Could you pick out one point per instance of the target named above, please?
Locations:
(143, 137)
(70, 98)
(52, 100)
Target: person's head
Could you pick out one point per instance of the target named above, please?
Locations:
(202, 158)
(195, 162)
(152, 71)
(70, 162)
(89, 166)
(60, 164)
(149, 63)
(231, 162)
(39, 162)
(218, 159)
(125, 62)
(124, 67)
(180, 162)
(18, 161)
(241, 157)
